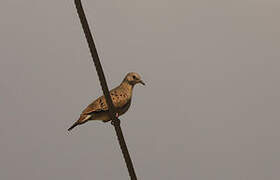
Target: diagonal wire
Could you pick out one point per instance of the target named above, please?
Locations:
(112, 110)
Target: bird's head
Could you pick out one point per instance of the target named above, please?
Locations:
(133, 78)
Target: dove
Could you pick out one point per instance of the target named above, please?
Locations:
(121, 97)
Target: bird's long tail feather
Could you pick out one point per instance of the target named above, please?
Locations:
(83, 118)
(74, 125)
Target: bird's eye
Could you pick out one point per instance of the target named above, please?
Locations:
(134, 77)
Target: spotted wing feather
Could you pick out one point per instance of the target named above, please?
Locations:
(119, 98)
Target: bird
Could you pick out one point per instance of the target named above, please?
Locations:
(121, 97)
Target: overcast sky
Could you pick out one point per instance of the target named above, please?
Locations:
(209, 110)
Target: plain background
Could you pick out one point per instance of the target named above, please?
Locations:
(210, 109)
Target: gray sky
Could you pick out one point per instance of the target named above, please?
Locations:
(210, 109)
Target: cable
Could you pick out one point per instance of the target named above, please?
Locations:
(112, 111)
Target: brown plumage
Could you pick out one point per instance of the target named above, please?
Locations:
(121, 97)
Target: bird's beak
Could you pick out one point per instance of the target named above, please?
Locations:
(142, 82)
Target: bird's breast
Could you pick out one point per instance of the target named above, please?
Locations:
(123, 109)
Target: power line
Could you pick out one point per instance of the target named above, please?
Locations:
(103, 83)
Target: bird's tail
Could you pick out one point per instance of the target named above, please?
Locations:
(83, 118)
(74, 125)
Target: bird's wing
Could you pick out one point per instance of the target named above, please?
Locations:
(119, 98)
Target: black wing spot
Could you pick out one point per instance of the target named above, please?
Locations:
(113, 93)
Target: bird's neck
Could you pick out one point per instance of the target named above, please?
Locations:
(127, 87)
